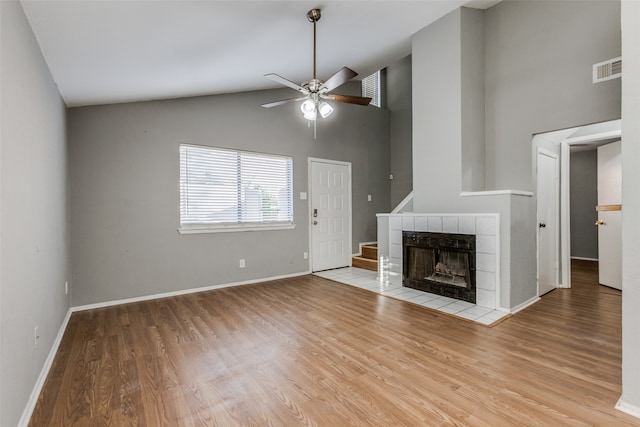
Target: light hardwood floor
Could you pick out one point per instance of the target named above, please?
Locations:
(309, 351)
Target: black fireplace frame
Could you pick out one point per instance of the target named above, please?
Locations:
(451, 242)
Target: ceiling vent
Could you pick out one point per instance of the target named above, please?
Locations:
(607, 70)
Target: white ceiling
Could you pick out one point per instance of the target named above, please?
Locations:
(112, 51)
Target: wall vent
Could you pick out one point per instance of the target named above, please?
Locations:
(607, 70)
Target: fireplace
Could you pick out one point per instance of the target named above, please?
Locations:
(440, 263)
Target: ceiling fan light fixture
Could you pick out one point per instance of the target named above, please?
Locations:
(325, 109)
(309, 110)
(315, 90)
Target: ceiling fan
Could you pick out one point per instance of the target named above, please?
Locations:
(315, 91)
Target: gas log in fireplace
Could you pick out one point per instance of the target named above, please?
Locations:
(440, 263)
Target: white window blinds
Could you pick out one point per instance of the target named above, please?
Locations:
(371, 88)
(222, 188)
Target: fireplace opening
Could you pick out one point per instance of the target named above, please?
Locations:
(440, 263)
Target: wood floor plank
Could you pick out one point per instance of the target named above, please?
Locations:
(312, 352)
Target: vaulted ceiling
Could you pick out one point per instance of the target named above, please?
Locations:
(117, 51)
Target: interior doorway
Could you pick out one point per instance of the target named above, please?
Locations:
(562, 142)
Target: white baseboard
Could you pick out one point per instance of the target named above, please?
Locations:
(628, 408)
(584, 259)
(182, 292)
(37, 388)
(524, 305)
(35, 394)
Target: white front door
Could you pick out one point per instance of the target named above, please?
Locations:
(330, 190)
(548, 218)
(610, 215)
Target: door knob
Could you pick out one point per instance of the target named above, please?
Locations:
(542, 225)
(600, 222)
(315, 222)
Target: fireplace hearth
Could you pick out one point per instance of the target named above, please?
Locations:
(440, 263)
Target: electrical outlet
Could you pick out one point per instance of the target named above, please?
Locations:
(241, 263)
(66, 287)
(369, 198)
(36, 336)
(305, 255)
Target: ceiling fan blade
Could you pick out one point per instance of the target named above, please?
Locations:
(359, 100)
(284, 101)
(341, 77)
(283, 81)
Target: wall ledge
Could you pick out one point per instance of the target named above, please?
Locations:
(497, 193)
(436, 214)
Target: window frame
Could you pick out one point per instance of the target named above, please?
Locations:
(222, 227)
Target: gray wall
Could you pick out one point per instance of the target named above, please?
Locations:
(437, 124)
(398, 102)
(472, 77)
(584, 198)
(539, 57)
(125, 195)
(437, 141)
(631, 204)
(34, 249)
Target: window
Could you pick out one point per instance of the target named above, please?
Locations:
(223, 190)
(371, 88)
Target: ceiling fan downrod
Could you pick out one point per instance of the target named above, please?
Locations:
(316, 92)
(314, 16)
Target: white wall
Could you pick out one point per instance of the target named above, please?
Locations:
(33, 226)
(630, 400)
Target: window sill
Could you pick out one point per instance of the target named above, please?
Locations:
(234, 228)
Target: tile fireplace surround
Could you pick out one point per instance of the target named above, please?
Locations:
(484, 226)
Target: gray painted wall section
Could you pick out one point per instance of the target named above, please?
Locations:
(125, 195)
(631, 207)
(523, 96)
(436, 60)
(399, 96)
(539, 58)
(34, 252)
(584, 198)
(437, 148)
(473, 96)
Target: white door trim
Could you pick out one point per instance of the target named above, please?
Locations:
(541, 151)
(565, 217)
(311, 160)
(565, 196)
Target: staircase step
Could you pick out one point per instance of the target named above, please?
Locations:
(370, 251)
(366, 263)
